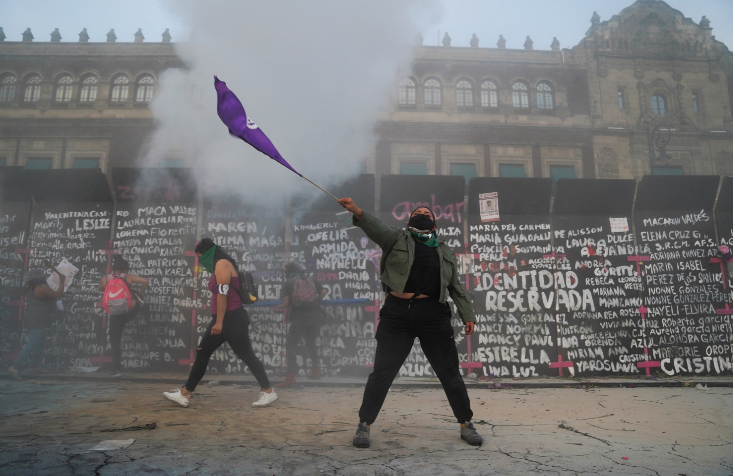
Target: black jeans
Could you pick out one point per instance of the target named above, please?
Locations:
(401, 321)
(295, 331)
(117, 326)
(234, 332)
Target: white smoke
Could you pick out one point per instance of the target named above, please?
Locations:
(315, 76)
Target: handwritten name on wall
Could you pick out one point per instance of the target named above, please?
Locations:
(155, 239)
(688, 331)
(514, 284)
(77, 232)
(14, 217)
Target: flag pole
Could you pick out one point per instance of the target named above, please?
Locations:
(317, 186)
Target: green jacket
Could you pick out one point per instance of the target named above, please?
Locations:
(398, 249)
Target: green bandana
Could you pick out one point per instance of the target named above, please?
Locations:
(429, 239)
(207, 259)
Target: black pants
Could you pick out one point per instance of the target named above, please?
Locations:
(295, 331)
(117, 326)
(234, 332)
(401, 321)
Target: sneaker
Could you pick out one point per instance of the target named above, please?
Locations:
(362, 436)
(115, 373)
(176, 397)
(14, 374)
(469, 434)
(265, 399)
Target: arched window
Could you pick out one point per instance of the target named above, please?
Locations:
(432, 92)
(489, 94)
(520, 95)
(88, 92)
(544, 98)
(407, 92)
(120, 88)
(464, 93)
(144, 93)
(658, 103)
(33, 88)
(7, 88)
(64, 86)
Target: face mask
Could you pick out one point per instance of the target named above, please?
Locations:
(421, 222)
(207, 259)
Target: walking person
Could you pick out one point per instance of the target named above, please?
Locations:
(230, 323)
(418, 272)
(122, 304)
(40, 314)
(301, 296)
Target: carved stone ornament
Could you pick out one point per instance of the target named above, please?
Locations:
(674, 117)
(607, 163)
(638, 69)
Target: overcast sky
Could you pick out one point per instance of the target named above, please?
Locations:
(540, 19)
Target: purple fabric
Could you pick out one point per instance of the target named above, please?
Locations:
(232, 113)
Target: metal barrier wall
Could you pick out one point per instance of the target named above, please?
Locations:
(599, 286)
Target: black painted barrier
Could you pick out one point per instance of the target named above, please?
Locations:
(568, 293)
(253, 234)
(72, 219)
(688, 326)
(155, 228)
(15, 216)
(345, 262)
(598, 281)
(512, 278)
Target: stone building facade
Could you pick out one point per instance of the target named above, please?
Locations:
(647, 91)
(78, 105)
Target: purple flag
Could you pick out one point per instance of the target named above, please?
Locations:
(232, 114)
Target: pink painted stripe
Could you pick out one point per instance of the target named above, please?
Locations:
(22, 250)
(16, 303)
(471, 365)
(639, 258)
(100, 359)
(724, 311)
(649, 363)
(558, 365)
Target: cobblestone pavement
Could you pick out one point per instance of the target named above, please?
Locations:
(48, 426)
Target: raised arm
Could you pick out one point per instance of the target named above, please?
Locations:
(385, 236)
(45, 291)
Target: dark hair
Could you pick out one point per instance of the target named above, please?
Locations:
(293, 267)
(433, 217)
(120, 264)
(219, 253)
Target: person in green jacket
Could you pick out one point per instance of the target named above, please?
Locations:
(419, 273)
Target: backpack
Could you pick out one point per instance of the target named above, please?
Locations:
(248, 292)
(304, 291)
(117, 298)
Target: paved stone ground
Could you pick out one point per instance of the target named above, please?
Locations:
(47, 427)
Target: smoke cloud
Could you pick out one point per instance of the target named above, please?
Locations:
(315, 76)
